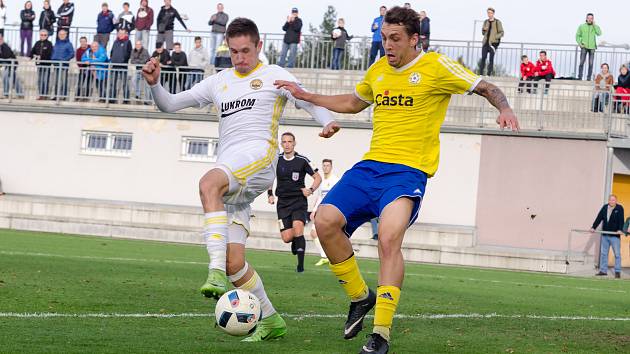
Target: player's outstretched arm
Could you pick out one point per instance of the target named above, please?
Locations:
(494, 95)
(164, 100)
(348, 103)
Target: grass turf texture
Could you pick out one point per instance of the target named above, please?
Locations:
(50, 273)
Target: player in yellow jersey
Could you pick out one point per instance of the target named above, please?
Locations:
(411, 91)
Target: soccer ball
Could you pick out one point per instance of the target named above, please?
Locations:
(238, 312)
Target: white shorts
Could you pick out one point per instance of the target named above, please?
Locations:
(250, 172)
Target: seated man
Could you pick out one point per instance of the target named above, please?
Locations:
(544, 70)
(527, 73)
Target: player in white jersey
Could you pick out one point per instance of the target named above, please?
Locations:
(249, 108)
(328, 182)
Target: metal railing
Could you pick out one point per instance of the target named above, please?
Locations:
(585, 247)
(557, 106)
(315, 51)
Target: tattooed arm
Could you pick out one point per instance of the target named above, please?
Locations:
(494, 95)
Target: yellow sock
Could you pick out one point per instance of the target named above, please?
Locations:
(387, 297)
(350, 278)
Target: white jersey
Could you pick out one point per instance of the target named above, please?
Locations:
(324, 188)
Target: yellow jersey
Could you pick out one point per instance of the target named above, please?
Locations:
(410, 106)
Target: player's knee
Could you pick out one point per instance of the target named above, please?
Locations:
(287, 236)
(234, 265)
(327, 224)
(209, 187)
(388, 244)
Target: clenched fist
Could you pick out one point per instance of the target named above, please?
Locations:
(151, 71)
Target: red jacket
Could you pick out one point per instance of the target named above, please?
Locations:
(544, 68)
(527, 70)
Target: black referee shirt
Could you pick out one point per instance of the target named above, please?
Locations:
(290, 175)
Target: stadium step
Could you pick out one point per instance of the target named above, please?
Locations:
(440, 244)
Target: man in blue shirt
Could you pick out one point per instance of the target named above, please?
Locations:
(377, 41)
(63, 52)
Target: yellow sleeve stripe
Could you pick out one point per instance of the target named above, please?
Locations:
(456, 69)
(366, 100)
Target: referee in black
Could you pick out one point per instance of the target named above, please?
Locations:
(291, 192)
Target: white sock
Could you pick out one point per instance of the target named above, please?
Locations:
(319, 247)
(215, 234)
(255, 286)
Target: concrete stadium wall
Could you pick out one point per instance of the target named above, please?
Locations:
(40, 154)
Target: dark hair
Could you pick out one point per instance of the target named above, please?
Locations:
(288, 134)
(126, 3)
(523, 57)
(242, 26)
(177, 44)
(327, 160)
(590, 14)
(543, 52)
(158, 45)
(383, 7)
(83, 37)
(406, 17)
(197, 38)
(491, 9)
(608, 66)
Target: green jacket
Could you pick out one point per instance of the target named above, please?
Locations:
(586, 35)
(496, 33)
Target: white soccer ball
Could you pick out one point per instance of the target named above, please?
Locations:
(238, 312)
(336, 33)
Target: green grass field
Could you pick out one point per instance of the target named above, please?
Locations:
(80, 278)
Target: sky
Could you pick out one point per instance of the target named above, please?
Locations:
(537, 21)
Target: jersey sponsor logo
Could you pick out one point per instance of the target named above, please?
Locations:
(414, 78)
(256, 84)
(229, 108)
(385, 99)
(295, 176)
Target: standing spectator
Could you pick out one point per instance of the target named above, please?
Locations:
(586, 38)
(340, 37)
(527, 74)
(492, 31)
(104, 25)
(292, 32)
(3, 17)
(83, 68)
(166, 24)
(544, 70)
(180, 62)
(603, 83)
(218, 22)
(26, 28)
(165, 64)
(119, 57)
(139, 57)
(63, 51)
(42, 53)
(622, 88)
(9, 74)
(425, 30)
(198, 59)
(65, 13)
(125, 19)
(47, 19)
(611, 218)
(377, 40)
(144, 21)
(96, 58)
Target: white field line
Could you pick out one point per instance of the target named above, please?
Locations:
(122, 259)
(19, 315)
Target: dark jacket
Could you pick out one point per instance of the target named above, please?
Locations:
(63, 50)
(121, 51)
(146, 21)
(43, 49)
(340, 42)
(139, 57)
(6, 53)
(125, 22)
(47, 19)
(425, 27)
(166, 19)
(623, 81)
(163, 58)
(220, 22)
(179, 59)
(105, 22)
(614, 224)
(65, 14)
(292, 31)
(27, 17)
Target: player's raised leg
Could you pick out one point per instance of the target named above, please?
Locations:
(212, 187)
(394, 221)
(329, 222)
(244, 276)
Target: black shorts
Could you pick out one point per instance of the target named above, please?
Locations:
(290, 210)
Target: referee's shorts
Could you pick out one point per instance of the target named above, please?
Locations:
(291, 209)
